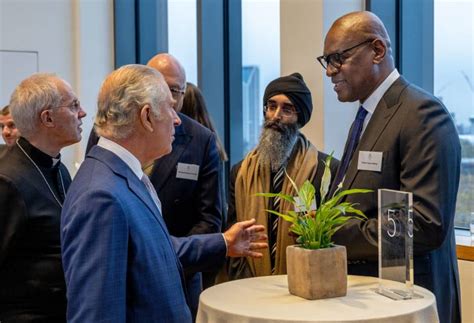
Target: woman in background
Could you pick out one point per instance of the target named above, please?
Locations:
(194, 106)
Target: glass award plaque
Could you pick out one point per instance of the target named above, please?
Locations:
(395, 242)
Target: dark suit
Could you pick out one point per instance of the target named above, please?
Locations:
(189, 206)
(120, 262)
(32, 287)
(421, 154)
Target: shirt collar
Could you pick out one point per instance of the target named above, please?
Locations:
(373, 100)
(126, 156)
(40, 158)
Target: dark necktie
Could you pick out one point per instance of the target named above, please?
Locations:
(277, 186)
(353, 141)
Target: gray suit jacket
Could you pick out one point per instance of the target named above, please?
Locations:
(421, 154)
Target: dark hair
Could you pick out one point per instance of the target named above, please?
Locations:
(5, 111)
(194, 106)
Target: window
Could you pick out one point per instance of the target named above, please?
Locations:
(182, 39)
(260, 62)
(454, 85)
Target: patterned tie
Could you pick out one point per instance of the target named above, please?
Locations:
(353, 141)
(277, 186)
(152, 191)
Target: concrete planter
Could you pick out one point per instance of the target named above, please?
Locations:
(317, 274)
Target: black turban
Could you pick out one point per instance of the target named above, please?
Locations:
(294, 87)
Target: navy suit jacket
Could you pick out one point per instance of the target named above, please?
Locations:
(422, 155)
(120, 263)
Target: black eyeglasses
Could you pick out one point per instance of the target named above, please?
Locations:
(337, 59)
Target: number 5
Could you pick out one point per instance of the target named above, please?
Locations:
(391, 213)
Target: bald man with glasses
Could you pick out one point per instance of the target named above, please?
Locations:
(415, 146)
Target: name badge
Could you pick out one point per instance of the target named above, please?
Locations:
(300, 207)
(370, 160)
(188, 171)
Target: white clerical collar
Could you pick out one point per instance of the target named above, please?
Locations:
(373, 100)
(127, 157)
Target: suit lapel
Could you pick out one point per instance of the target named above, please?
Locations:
(167, 164)
(383, 113)
(119, 167)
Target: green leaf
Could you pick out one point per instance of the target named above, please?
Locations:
(285, 197)
(326, 179)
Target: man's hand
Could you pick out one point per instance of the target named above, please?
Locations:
(244, 237)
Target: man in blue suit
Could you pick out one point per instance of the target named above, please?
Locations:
(187, 179)
(120, 263)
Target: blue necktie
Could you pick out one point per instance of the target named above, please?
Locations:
(353, 141)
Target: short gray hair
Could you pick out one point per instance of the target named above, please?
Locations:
(123, 93)
(30, 97)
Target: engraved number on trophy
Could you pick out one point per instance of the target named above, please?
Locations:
(410, 227)
(391, 213)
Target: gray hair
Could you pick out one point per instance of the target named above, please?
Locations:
(34, 94)
(123, 93)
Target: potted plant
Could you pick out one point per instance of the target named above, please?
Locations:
(316, 267)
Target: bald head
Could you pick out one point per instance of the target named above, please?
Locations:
(362, 25)
(174, 75)
(357, 55)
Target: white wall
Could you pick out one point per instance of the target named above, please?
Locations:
(304, 24)
(73, 38)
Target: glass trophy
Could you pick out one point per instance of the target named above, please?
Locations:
(395, 241)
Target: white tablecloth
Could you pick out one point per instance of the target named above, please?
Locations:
(266, 299)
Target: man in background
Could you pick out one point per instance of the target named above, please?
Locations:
(33, 185)
(119, 260)
(10, 132)
(282, 148)
(410, 137)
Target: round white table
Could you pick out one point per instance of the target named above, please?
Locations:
(266, 299)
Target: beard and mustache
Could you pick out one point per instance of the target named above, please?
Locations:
(276, 143)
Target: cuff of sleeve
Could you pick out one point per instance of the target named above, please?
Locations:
(226, 247)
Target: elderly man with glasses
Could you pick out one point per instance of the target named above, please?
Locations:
(414, 145)
(282, 147)
(33, 185)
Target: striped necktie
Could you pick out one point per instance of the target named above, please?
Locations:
(353, 141)
(277, 186)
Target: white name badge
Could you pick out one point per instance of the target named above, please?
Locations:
(188, 171)
(300, 207)
(370, 160)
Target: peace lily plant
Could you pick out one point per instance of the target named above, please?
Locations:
(315, 227)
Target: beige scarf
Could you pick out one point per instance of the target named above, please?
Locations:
(253, 178)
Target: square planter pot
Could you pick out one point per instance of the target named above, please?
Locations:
(317, 274)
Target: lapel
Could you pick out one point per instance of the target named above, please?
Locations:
(383, 113)
(165, 166)
(120, 168)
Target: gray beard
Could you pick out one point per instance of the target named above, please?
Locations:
(275, 145)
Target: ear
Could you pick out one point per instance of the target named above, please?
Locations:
(146, 118)
(380, 49)
(47, 119)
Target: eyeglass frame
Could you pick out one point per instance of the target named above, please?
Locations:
(338, 56)
(74, 106)
(285, 108)
(178, 92)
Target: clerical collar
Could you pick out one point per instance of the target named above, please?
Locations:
(39, 157)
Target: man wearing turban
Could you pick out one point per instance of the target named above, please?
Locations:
(282, 147)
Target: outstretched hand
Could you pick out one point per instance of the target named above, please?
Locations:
(244, 237)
